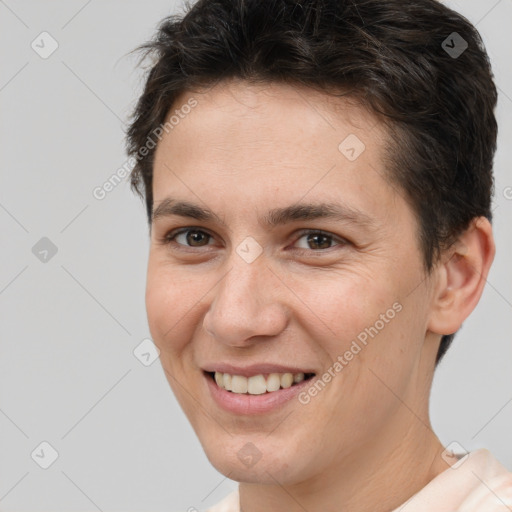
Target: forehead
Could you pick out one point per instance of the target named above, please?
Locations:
(237, 102)
(270, 141)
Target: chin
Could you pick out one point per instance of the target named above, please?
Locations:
(254, 459)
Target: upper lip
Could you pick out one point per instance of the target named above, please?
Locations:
(253, 369)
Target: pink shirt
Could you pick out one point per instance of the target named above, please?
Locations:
(478, 484)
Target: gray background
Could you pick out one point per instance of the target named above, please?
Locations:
(68, 374)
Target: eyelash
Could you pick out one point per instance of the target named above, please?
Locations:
(168, 239)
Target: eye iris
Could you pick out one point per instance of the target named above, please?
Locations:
(316, 236)
(195, 236)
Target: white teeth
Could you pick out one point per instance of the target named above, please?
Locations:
(238, 384)
(257, 384)
(286, 380)
(226, 381)
(298, 377)
(273, 382)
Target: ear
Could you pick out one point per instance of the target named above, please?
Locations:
(461, 277)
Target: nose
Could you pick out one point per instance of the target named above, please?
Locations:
(247, 304)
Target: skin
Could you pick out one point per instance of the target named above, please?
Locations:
(365, 442)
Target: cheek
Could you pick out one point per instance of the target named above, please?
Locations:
(343, 306)
(365, 321)
(167, 306)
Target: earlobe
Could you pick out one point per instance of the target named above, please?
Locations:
(461, 277)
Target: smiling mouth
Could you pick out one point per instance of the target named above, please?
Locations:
(257, 384)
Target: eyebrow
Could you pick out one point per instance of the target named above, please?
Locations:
(275, 217)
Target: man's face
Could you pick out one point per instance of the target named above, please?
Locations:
(236, 292)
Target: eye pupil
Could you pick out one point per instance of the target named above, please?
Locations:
(316, 237)
(194, 236)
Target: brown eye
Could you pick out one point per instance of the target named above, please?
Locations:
(189, 238)
(196, 238)
(318, 241)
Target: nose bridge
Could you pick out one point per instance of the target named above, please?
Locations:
(243, 303)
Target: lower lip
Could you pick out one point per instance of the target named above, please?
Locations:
(253, 404)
